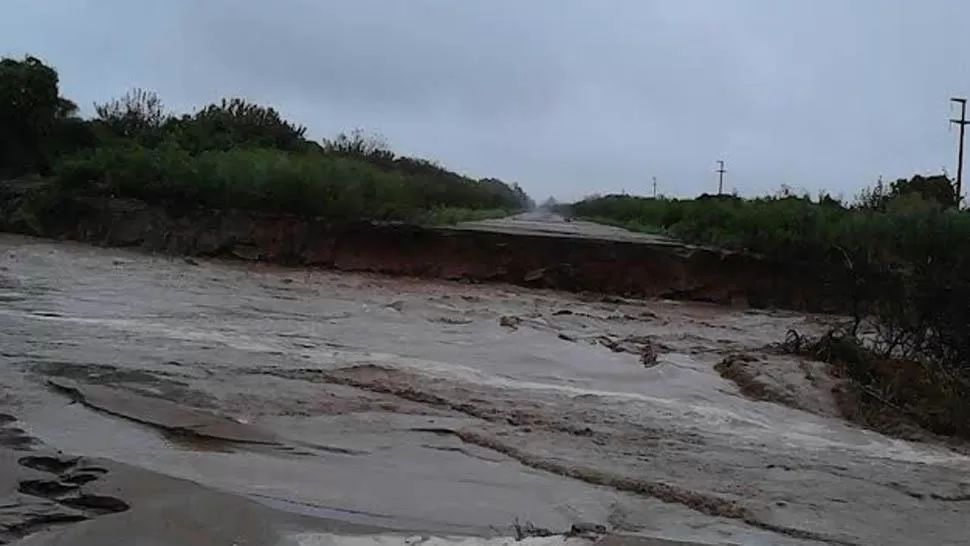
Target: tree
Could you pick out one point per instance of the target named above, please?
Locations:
(29, 110)
(525, 202)
(139, 115)
(237, 123)
(936, 191)
(373, 147)
(71, 132)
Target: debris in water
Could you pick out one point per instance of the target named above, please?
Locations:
(649, 356)
(638, 345)
(510, 321)
(451, 320)
(535, 275)
(529, 530)
(586, 528)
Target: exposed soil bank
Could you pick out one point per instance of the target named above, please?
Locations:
(571, 263)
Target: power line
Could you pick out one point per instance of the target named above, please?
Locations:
(962, 122)
(720, 177)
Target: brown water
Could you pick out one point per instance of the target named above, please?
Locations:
(455, 408)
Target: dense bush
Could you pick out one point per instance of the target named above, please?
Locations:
(305, 183)
(232, 154)
(438, 185)
(235, 123)
(786, 227)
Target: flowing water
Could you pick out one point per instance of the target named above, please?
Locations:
(459, 409)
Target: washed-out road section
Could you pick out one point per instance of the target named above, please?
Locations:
(386, 407)
(554, 225)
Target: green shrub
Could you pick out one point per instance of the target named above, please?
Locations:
(230, 154)
(305, 183)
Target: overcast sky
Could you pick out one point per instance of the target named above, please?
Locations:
(566, 97)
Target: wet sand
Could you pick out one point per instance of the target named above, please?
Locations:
(443, 408)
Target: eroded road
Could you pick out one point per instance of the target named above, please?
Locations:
(441, 407)
(554, 225)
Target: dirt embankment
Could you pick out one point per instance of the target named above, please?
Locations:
(565, 263)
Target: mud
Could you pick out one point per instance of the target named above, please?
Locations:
(53, 499)
(821, 388)
(405, 406)
(577, 256)
(795, 382)
(163, 414)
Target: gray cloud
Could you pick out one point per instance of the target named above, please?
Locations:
(567, 97)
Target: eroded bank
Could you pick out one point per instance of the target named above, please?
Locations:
(571, 262)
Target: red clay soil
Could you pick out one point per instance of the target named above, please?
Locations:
(573, 264)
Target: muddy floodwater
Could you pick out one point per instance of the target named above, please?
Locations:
(449, 408)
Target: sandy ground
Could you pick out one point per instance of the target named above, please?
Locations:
(332, 408)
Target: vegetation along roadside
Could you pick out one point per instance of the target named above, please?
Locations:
(229, 155)
(899, 254)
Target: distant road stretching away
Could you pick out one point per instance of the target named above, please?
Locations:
(554, 225)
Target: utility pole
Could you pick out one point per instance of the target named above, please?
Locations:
(962, 122)
(720, 177)
(655, 187)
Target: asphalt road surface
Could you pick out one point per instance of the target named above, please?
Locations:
(554, 225)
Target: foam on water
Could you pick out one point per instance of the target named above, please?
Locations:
(772, 424)
(712, 413)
